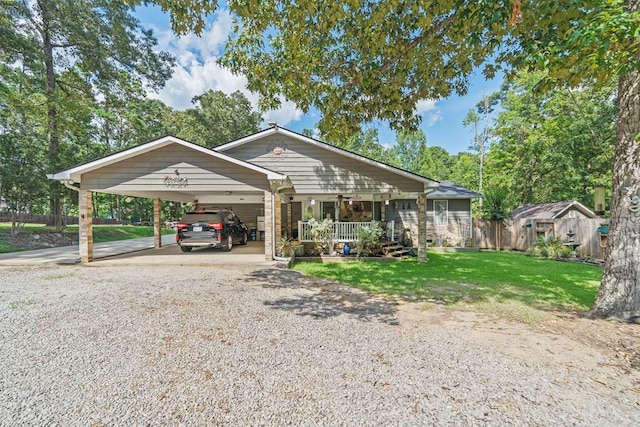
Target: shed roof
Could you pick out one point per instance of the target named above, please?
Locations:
(550, 210)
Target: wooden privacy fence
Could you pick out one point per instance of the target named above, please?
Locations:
(521, 234)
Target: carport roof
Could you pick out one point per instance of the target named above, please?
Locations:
(75, 173)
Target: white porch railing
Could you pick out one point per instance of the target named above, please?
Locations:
(342, 231)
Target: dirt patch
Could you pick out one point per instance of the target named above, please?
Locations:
(565, 340)
(29, 241)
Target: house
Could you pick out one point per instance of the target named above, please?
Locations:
(275, 180)
(3, 204)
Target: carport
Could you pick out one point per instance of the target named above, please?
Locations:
(175, 170)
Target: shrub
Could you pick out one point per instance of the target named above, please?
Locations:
(549, 247)
(368, 239)
(322, 234)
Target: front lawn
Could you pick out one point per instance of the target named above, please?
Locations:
(471, 277)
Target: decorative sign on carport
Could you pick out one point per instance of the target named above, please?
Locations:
(175, 181)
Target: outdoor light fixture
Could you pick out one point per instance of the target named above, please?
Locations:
(350, 201)
(386, 202)
(313, 201)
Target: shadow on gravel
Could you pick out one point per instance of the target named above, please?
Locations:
(326, 299)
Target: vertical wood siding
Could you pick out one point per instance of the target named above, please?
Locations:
(516, 235)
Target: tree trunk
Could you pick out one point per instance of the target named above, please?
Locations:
(55, 206)
(619, 294)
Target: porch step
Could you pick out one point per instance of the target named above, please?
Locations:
(393, 249)
(398, 253)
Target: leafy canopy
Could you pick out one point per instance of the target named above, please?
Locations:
(360, 61)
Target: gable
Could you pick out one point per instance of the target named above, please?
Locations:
(156, 171)
(314, 169)
(568, 209)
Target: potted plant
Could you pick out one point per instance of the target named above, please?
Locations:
(284, 247)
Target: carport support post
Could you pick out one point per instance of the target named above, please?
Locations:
(268, 226)
(277, 212)
(85, 220)
(289, 229)
(422, 227)
(157, 227)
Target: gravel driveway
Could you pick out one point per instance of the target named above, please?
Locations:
(207, 346)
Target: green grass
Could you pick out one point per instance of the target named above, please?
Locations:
(101, 233)
(472, 278)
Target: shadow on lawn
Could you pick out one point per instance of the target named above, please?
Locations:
(474, 278)
(322, 298)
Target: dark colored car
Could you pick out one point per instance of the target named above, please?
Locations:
(210, 229)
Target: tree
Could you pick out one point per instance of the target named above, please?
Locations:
(218, 118)
(554, 146)
(465, 170)
(77, 52)
(437, 164)
(481, 136)
(357, 62)
(366, 144)
(410, 150)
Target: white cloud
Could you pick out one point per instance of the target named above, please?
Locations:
(196, 70)
(429, 111)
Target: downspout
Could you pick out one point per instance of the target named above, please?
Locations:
(69, 184)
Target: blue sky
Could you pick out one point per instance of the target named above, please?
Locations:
(196, 71)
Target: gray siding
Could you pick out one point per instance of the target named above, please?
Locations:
(458, 210)
(404, 213)
(146, 172)
(315, 170)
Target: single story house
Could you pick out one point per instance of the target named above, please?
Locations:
(276, 180)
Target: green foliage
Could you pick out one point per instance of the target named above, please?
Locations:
(496, 204)
(218, 118)
(368, 239)
(552, 147)
(549, 247)
(410, 150)
(69, 57)
(284, 247)
(471, 278)
(322, 234)
(437, 164)
(366, 144)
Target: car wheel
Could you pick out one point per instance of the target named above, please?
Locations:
(227, 247)
(244, 239)
(185, 248)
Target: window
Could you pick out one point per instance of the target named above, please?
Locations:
(441, 212)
